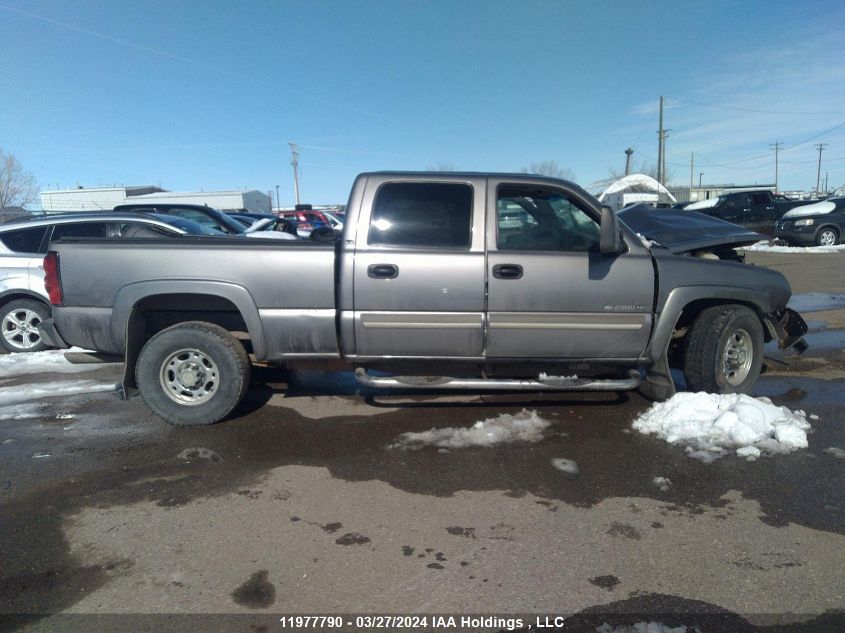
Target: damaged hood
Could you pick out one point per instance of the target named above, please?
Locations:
(681, 231)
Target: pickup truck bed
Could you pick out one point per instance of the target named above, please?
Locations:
(282, 292)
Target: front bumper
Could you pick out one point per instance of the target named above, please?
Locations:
(788, 328)
(50, 335)
(792, 234)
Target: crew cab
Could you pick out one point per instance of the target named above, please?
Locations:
(756, 209)
(433, 286)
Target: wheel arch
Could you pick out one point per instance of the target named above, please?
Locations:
(830, 225)
(144, 308)
(686, 303)
(20, 293)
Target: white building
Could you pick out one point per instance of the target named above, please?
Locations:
(106, 198)
(253, 201)
(96, 199)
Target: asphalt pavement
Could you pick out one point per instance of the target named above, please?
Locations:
(110, 519)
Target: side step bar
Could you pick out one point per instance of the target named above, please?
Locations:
(542, 383)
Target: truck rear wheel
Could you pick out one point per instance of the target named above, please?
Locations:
(192, 373)
(724, 350)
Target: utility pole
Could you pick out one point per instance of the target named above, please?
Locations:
(777, 145)
(278, 206)
(294, 160)
(691, 168)
(820, 147)
(660, 145)
(628, 153)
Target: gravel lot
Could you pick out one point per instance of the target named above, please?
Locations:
(296, 506)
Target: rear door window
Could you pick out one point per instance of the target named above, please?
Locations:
(423, 215)
(25, 240)
(82, 229)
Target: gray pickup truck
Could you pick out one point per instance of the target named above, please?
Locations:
(439, 281)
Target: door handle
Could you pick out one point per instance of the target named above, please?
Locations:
(383, 271)
(507, 271)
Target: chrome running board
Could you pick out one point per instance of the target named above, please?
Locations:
(542, 383)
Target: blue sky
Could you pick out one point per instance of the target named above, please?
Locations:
(206, 94)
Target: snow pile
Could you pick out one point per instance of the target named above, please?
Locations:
(765, 247)
(23, 363)
(525, 426)
(566, 465)
(710, 425)
(817, 208)
(644, 627)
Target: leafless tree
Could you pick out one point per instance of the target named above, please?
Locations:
(17, 186)
(441, 165)
(549, 168)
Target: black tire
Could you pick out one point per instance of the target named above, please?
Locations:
(827, 236)
(203, 352)
(19, 320)
(724, 350)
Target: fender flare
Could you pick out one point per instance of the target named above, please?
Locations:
(680, 298)
(130, 295)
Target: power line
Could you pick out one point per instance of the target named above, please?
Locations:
(737, 109)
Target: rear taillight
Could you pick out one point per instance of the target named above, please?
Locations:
(52, 282)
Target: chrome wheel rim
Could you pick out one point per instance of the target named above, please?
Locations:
(189, 377)
(737, 357)
(20, 329)
(827, 238)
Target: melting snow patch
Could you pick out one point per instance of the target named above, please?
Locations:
(27, 393)
(710, 425)
(22, 411)
(837, 452)
(199, 452)
(662, 482)
(765, 247)
(525, 426)
(566, 465)
(23, 363)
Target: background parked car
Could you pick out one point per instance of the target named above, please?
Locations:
(306, 221)
(248, 218)
(207, 216)
(820, 224)
(756, 210)
(23, 243)
(274, 227)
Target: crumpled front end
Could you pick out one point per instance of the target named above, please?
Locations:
(788, 328)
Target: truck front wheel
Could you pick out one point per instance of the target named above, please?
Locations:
(724, 350)
(192, 373)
